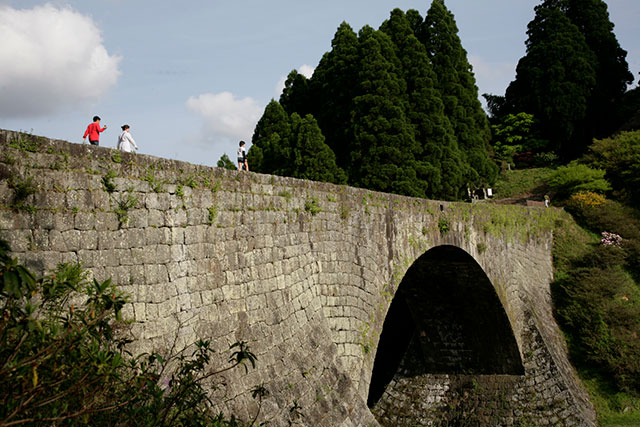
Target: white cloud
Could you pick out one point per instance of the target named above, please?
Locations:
(226, 119)
(51, 58)
(305, 70)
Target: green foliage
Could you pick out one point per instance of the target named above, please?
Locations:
(292, 146)
(383, 149)
(331, 91)
(443, 225)
(156, 184)
(458, 91)
(190, 181)
(482, 247)
(63, 359)
(271, 134)
(22, 188)
(312, 206)
(611, 68)
(286, 194)
(213, 213)
(620, 157)
(438, 163)
(572, 77)
(545, 159)
(513, 134)
(345, 211)
(614, 407)
(126, 202)
(26, 142)
(599, 303)
(575, 177)
(521, 182)
(308, 156)
(116, 156)
(385, 115)
(554, 80)
(107, 182)
(226, 163)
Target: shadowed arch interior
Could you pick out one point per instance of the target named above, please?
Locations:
(445, 318)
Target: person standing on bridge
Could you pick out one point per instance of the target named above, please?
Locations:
(125, 140)
(93, 130)
(242, 157)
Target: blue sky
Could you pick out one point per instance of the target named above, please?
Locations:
(191, 78)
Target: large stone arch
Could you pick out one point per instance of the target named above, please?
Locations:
(445, 319)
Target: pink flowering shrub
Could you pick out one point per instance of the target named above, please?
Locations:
(610, 239)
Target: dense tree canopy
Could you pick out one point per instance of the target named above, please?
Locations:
(554, 80)
(612, 71)
(290, 145)
(397, 106)
(572, 77)
(439, 33)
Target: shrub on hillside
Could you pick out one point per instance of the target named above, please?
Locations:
(573, 178)
(585, 199)
(619, 156)
(598, 304)
(611, 216)
(63, 359)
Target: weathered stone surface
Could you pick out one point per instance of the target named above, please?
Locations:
(239, 258)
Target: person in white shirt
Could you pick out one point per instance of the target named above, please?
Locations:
(242, 157)
(125, 140)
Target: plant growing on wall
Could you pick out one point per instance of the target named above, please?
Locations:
(312, 206)
(22, 188)
(107, 182)
(126, 202)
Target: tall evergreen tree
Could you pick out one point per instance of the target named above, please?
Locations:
(554, 80)
(438, 162)
(382, 157)
(331, 92)
(456, 83)
(295, 95)
(310, 157)
(270, 138)
(612, 71)
(292, 146)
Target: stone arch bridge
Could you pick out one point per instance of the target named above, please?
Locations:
(362, 307)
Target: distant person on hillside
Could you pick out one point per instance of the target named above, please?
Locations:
(547, 200)
(125, 140)
(242, 157)
(93, 130)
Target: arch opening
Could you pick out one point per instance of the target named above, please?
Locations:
(445, 318)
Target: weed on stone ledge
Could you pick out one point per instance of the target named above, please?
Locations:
(126, 202)
(312, 206)
(107, 182)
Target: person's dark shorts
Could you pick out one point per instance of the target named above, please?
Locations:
(94, 142)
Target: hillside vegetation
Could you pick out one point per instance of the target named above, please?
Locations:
(596, 252)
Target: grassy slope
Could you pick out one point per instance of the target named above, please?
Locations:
(522, 183)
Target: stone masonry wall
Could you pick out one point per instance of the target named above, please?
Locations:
(303, 271)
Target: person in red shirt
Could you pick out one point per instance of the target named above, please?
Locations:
(93, 130)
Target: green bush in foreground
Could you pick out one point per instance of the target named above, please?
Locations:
(63, 359)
